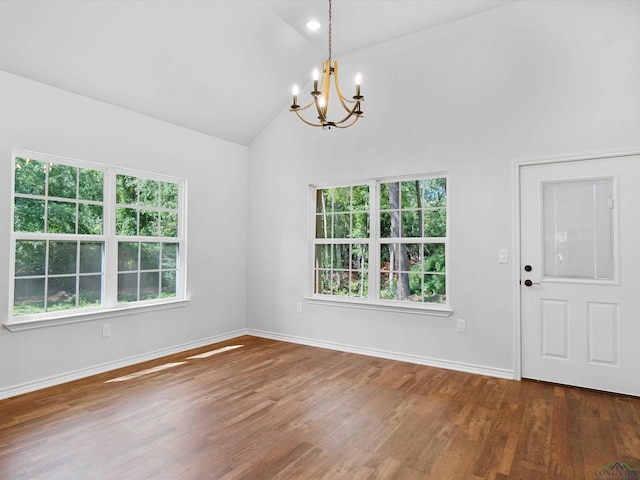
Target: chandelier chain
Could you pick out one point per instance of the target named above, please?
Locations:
(329, 31)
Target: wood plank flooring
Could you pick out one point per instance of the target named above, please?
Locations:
(274, 410)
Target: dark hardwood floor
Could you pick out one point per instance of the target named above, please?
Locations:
(270, 410)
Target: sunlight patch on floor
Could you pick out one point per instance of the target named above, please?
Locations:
(145, 372)
(170, 365)
(213, 352)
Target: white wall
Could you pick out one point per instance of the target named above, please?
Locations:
(44, 119)
(532, 79)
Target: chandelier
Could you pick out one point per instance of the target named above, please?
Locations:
(321, 93)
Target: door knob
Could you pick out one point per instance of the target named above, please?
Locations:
(529, 283)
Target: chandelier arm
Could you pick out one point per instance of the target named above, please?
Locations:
(324, 82)
(299, 109)
(306, 121)
(343, 100)
(349, 114)
(347, 126)
(326, 88)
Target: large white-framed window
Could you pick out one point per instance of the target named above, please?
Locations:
(342, 241)
(382, 242)
(89, 238)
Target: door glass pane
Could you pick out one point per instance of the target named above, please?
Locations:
(578, 229)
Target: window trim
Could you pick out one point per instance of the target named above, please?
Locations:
(373, 301)
(430, 309)
(86, 314)
(110, 306)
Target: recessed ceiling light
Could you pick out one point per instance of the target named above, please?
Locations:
(313, 25)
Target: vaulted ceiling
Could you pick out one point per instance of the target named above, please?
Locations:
(221, 67)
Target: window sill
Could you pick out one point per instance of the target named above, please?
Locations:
(17, 326)
(434, 311)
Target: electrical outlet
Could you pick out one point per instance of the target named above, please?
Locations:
(462, 325)
(106, 330)
(299, 307)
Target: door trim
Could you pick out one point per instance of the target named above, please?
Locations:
(517, 166)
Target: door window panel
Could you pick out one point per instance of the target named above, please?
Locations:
(578, 229)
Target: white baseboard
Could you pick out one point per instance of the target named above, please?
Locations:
(106, 367)
(403, 357)
(32, 386)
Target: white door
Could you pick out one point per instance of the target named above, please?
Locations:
(580, 273)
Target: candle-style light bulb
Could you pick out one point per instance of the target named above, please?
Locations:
(315, 75)
(358, 81)
(321, 102)
(295, 91)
